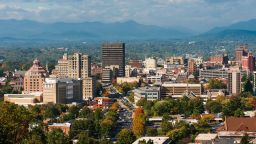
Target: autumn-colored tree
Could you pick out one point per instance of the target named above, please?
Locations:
(106, 94)
(138, 123)
(115, 106)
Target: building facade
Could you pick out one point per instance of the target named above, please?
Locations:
(62, 90)
(241, 51)
(213, 73)
(114, 54)
(34, 78)
(234, 82)
(149, 93)
(77, 66)
(180, 89)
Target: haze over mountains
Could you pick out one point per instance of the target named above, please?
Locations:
(27, 30)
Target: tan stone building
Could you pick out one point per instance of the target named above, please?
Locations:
(64, 90)
(61, 69)
(34, 78)
(77, 66)
(24, 99)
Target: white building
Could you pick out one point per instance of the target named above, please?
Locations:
(149, 93)
(150, 63)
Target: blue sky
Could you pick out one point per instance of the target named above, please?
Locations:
(198, 15)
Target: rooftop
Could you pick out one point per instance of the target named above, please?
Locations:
(205, 137)
(156, 140)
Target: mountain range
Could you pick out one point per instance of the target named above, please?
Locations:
(129, 30)
(26, 29)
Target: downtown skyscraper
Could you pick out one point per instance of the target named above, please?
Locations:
(113, 54)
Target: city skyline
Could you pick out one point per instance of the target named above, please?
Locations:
(166, 13)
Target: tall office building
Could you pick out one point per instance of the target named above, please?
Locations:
(241, 51)
(77, 66)
(234, 82)
(191, 66)
(248, 62)
(34, 78)
(114, 54)
(61, 69)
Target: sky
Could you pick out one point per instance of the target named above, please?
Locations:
(196, 15)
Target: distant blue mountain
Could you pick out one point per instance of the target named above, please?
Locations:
(249, 25)
(245, 30)
(26, 29)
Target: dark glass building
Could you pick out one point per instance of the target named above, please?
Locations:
(113, 54)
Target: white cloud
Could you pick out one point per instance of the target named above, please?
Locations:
(194, 14)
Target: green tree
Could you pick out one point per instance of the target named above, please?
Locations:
(151, 132)
(81, 125)
(214, 106)
(216, 84)
(125, 136)
(239, 113)
(248, 87)
(245, 139)
(14, 123)
(51, 112)
(86, 113)
(36, 136)
(56, 136)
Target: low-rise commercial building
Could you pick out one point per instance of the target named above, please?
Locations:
(213, 73)
(149, 93)
(154, 79)
(120, 80)
(180, 89)
(24, 99)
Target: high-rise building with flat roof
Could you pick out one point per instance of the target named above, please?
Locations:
(34, 78)
(114, 54)
(234, 82)
(241, 51)
(77, 66)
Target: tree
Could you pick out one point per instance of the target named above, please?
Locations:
(56, 136)
(245, 139)
(14, 123)
(81, 125)
(106, 127)
(36, 136)
(248, 87)
(239, 113)
(216, 84)
(33, 139)
(83, 138)
(151, 132)
(131, 97)
(165, 126)
(138, 123)
(125, 136)
(214, 106)
(73, 111)
(115, 106)
(181, 130)
(86, 113)
(51, 112)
